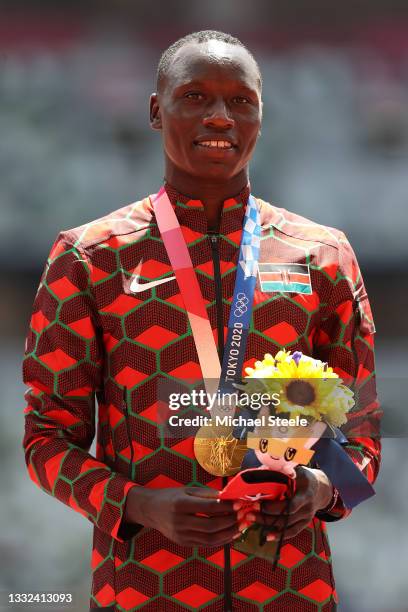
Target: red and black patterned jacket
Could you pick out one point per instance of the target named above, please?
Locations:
(91, 336)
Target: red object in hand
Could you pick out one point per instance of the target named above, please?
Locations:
(257, 484)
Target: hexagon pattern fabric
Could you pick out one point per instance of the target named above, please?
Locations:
(92, 337)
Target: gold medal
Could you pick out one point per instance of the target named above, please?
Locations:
(217, 451)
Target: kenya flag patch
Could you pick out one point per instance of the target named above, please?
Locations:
(285, 278)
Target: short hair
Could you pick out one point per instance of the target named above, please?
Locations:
(198, 37)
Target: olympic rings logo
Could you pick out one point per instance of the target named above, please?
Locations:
(241, 305)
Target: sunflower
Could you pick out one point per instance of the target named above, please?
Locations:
(307, 387)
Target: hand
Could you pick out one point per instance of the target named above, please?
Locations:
(178, 514)
(313, 492)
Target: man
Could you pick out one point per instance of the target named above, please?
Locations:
(110, 319)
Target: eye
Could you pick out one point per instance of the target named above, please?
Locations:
(263, 445)
(193, 95)
(241, 100)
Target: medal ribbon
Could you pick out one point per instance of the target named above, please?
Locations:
(343, 473)
(242, 301)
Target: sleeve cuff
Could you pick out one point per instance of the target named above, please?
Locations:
(127, 531)
(112, 514)
(335, 510)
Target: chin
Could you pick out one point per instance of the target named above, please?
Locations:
(214, 171)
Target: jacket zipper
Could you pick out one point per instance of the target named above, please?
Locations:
(126, 413)
(125, 409)
(220, 334)
(218, 293)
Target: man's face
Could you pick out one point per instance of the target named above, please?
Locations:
(209, 110)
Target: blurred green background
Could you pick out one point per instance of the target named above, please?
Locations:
(75, 144)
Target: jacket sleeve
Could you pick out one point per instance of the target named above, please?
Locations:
(345, 340)
(63, 369)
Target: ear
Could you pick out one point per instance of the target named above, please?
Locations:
(155, 118)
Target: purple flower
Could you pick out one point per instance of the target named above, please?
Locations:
(297, 356)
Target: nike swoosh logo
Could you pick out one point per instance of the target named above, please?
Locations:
(137, 287)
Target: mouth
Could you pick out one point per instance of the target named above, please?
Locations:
(215, 144)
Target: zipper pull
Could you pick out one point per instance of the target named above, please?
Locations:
(214, 243)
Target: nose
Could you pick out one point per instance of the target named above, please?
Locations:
(218, 116)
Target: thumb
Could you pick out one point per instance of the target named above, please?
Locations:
(202, 492)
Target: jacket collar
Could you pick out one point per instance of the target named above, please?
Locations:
(191, 213)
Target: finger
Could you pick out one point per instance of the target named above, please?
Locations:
(275, 508)
(256, 506)
(278, 521)
(290, 531)
(191, 504)
(280, 524)
(210, 525)
(245, 522)
(243, 512)
(243, 525)
(202, 492)
(271, 537)
(241, 504)
(223, 537)
(262, 519)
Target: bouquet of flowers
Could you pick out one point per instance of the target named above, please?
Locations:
(302, 384)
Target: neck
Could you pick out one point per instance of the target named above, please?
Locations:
(212, 193)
